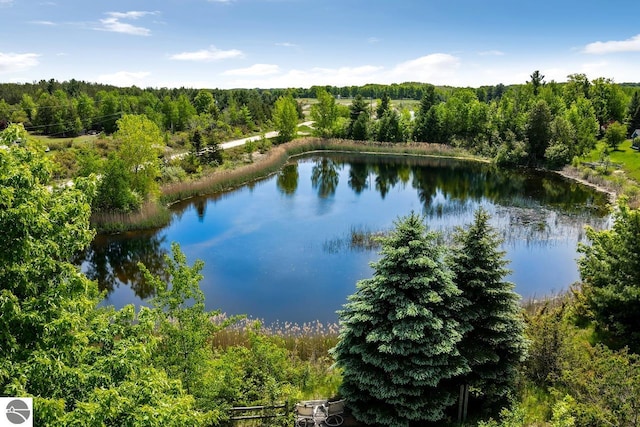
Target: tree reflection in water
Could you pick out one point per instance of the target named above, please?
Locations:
(324, 177)
(114, 262)
(287, 179)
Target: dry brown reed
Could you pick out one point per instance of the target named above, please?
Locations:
(150, 215)
(225, 179)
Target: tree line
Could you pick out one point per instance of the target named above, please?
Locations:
(532, 124)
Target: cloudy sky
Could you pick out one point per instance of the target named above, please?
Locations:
(299, 43)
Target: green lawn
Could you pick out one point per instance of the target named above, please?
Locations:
(46, 140)
(625, 156)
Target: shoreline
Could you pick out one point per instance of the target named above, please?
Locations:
(157, 214)
(574, 174)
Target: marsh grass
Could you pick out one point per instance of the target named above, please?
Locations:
(237, 172)
(239, 169)
(307, 342)
(308, 347)
(151, 215)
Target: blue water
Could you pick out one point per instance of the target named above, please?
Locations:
(279, 249)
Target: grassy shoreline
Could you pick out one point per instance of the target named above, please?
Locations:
(156, 214)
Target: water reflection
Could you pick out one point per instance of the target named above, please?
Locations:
(274, 249)
(324, 177)
(358, 177)
(287, 180)
(113, 261)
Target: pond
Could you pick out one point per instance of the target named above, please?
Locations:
(287, 248)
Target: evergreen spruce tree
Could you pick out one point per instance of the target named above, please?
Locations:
(495, 344)
(358, 119)
(634, 114)
(399, 335)
(384, 105)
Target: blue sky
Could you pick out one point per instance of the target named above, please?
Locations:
(299, 43)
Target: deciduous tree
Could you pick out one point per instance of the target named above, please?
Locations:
(538, 130)
(324, 113)
(140, 145)
(285, 118)
(615, 134)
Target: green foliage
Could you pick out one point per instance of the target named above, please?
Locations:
(359, 119)
(537, 80)
(389, 128)
(615, 134)
(547, 334)
(183, 323)
(634, 114)
(514, 417)
(140, 145)
(494, 346)
(610, 270)
(603, 387)
(325, 114)
(511, 152)
(39, 287)
(285, 118)
(557, 154)
(114, 189)
(399, 336)
(260, 373)
(14, 133)
(538, 130)
(360, 129)
(204, 102)
(384, 105)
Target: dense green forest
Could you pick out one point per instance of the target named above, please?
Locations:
(569, 360)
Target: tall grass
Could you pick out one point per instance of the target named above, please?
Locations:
(236, 173)
(307, 342)
(225, 179)
(151, 215)
(308, 347)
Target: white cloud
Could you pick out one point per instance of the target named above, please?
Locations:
(113, 22)
(344, 76)
(435, 68)
(287, 44)
(206, 55)
(12, 62)
(220, 1)
(491, 53)
(254, 70)
(373, 40)
(45, 23)
(123, 78)
(6, 3)
(629, 45)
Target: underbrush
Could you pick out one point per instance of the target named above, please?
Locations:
(306, 348)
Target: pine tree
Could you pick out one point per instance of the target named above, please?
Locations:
(495, 345)
(634, 113)
(384, 105)
(399, 337)
(358, 119)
